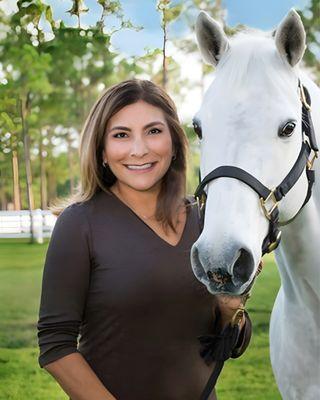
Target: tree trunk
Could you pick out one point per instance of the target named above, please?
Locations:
(3, 198)
(26, 142)
(15, 173)
(164, 56)
(43, 176)
(52, 185)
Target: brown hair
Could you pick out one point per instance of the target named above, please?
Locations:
(95, 177)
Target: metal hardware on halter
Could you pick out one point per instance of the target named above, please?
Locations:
(200, 203)
(263, 202)
(272, 246)
(310, 162)
(303, 97)
(237, 316)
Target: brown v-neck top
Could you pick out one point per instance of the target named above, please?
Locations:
(133, 300)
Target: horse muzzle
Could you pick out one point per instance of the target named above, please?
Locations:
(230, 273)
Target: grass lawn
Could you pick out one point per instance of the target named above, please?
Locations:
(21, 378)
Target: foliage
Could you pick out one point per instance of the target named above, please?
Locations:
(311, 20)
(168, 13)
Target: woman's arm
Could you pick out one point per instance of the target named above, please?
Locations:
(65, 287)
(77, 379)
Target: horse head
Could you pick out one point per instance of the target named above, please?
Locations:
(250, 118)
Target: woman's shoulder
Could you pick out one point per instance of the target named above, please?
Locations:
(73, 216)
(77, 208)
(191, 201)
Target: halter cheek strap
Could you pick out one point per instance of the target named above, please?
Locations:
(266, 195)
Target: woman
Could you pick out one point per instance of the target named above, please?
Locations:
(117, 269)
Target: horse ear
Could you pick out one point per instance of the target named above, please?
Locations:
(290, 38)
(211, 38)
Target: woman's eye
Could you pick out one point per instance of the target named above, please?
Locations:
(287, 129)
(120, 135)
(155, 130)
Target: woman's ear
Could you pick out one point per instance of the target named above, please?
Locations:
(174, 154)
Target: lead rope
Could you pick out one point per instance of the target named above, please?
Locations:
(219, 348)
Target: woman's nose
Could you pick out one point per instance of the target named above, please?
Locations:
(139, 147)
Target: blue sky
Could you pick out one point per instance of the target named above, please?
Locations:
(262, 14)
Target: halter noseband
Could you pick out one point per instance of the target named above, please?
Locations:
(268, 196)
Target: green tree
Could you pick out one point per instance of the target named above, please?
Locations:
(311, 20)
(168, 13)
(10, 129)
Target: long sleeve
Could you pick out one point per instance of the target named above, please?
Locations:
(65, 284)
(244, 338)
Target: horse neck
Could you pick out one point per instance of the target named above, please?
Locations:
(299, 253)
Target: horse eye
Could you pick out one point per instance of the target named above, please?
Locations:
(197, 127)
(287, 129)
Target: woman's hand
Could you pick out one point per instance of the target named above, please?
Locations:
(228, 306)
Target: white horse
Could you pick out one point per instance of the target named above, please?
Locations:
(247, 119)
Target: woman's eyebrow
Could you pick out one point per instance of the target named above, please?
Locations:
(122, 128)
(153, 123)
(125, 128)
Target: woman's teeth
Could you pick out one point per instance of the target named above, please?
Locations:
(143, 166)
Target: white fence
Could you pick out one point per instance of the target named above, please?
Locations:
(17, 224)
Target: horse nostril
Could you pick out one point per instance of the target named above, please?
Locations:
(219, 276)
(210, 275)
(243, 267)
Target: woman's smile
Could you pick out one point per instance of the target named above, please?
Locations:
(141, 168)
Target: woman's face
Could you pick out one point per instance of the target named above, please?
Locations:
(138, 146)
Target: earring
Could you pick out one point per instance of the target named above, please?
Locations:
(104, 164)
(174, 157)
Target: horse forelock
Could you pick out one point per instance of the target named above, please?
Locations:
(251, 58)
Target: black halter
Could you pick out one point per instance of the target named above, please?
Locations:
(268, 196)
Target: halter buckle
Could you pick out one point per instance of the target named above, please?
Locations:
(310, 162)
(200, 205)
(264, 202)
(237, 316)
(200, 201)
(272, 246)
(303, 98)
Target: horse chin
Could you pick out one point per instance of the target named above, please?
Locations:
(228, 288)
